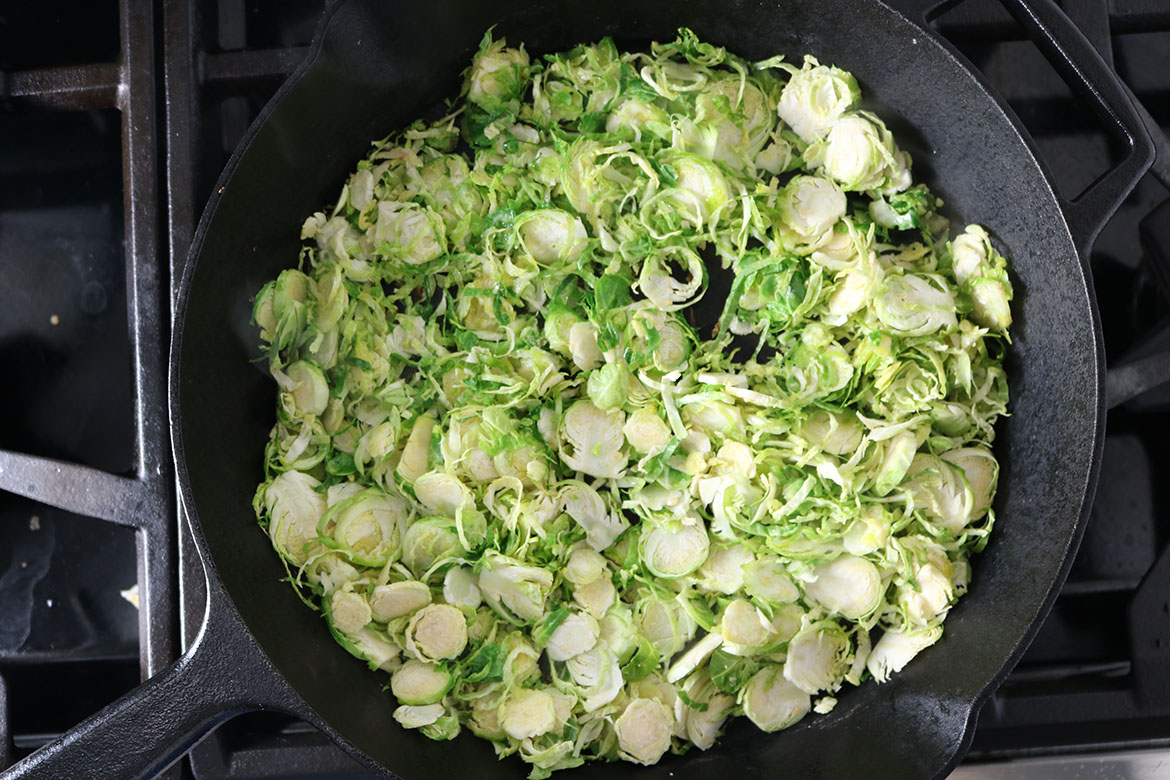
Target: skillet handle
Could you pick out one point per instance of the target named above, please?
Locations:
(1077, 61)
(148, 729)
(1079, 64)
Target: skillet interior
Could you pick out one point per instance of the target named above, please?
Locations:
(381, 65)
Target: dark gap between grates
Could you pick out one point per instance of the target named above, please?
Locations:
(271, 23)
(63, 338)
(268, 746)
(1143, 60)
(1070, 137)
(1120, 543)
(226, 118)
(1130, 292)
(1082, 631)
(61, 582)
(68, 637)
(46, 700)
(52, 33)
(235, 116)
(250, 25)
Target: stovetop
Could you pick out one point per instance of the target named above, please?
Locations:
(116, 118)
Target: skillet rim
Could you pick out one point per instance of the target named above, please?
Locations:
(313, 60)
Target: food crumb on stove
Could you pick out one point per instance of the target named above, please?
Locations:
(131, 595)
(825, 705)
(24, 564)
(49, 603)
(34, 523)
(54, 319)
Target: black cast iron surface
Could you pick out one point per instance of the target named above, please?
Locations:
(1080, 685)
(1057, 360)
(243, 49)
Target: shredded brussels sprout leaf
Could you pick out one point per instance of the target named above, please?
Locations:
(570, 498)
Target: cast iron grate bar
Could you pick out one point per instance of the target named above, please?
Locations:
(1082, 587)
(80, 489)
(6, 746)
(243, 67)
(1092, 17)
(149, 334)
(1065, 671)
(76, 87)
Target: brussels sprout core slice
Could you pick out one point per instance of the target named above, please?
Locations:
(674, 551)
(437, 632)
(643, 730)
(772, 702)
(418, 683)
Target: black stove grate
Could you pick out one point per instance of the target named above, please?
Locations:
(87, 506)
(1096, 677)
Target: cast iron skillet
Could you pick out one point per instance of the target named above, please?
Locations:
(375, 66)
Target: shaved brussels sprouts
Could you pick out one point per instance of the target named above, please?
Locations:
(460, 589)
(859, 154)
(815, 98)
(575, 635)
(528, 713)
(412, 717)
(723, 571)
(349, 612)
(417, 683)
(817, 658)
(591, 440)
(585, 506)
(643, 730)
(366, 527)
(766, 578)
(293, 507)
(309, 390)
(744, 628)
(515, 591)
(607, 385)
(584, 566)
(398, 599)
(428, 541)
(702, 191)
(408, 233)
(983, 274)
(527, 467)
(665, 624)
(688, 661)
(772, 702)
(497, 76)
(552, 235)
(811, 206)
(897, 648)
(675, 549)
(704, 710)
(847, 585)
(436, 632)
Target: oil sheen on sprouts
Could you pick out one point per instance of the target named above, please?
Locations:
(528, 465)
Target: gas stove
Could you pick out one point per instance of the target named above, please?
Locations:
(116, 119)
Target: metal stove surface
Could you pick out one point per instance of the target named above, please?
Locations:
(101, 188)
